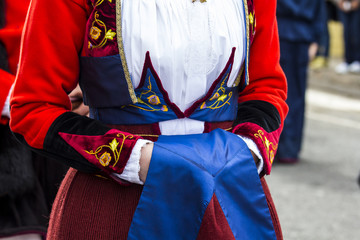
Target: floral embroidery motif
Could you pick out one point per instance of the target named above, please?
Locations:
(153, 102)
(95, 32)
(105, 153)
(220, 97)
(269, 146)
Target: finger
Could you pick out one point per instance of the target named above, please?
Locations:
(82, 110)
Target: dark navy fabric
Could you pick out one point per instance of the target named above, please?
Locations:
(103, 83)
(301, 21)
(109, 101)
(185, 172)
(150, 108)
(294, 62)
(351, 23)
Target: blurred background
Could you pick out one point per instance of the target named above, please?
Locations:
(318, 197)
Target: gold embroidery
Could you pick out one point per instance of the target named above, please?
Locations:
(95, 32)
(100, 2)
(122, 51)
(238, 78)
(220, 96)
(105, 157)
(153, 100)
(251, 18)
(110, 34)
(269, 146)
(202, 1)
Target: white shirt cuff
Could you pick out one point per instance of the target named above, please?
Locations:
(132, 168)
(253, 147)
(6, 109)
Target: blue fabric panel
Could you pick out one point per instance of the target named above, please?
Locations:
(150, 108)
(184, 173)
(225, 113)
(167, 209)
(103, 82)
(222, 105)
(239, 183)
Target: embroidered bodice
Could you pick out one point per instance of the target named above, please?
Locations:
(189, 44)
(186, 47)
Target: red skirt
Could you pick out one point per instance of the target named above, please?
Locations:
(93, 207)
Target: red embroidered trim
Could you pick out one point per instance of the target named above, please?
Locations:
(109, 152)
(266, 142)
(252, 20)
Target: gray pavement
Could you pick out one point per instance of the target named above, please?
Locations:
(318, 198)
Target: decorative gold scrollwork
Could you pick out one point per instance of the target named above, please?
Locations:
(153, 101)
(269, 146)
(221, 97)
(105, 156)
(95, 32)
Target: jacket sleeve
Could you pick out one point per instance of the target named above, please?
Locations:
(40, 107)
(262, 106)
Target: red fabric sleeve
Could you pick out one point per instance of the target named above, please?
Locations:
(263, 99)
(40, 107)
(267, 80)
(49, 66)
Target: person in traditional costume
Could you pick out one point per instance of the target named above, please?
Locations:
(22, 201)
(184, 95)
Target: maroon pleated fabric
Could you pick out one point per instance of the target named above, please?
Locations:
(93, 207)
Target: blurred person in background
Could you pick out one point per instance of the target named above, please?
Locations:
(349, 15)
(322, 56)
(28, 181)
(301, 25)
(22, 200)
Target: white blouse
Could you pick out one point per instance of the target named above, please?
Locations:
(189, 43)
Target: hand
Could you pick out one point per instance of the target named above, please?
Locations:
(78, 106)
(347, 6)
(146, 152)
(313, 48)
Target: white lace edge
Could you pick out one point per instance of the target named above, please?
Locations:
(132, 168)
(253, 147)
